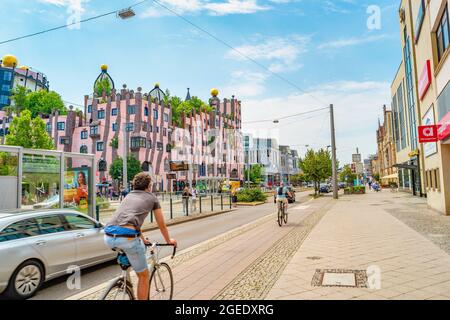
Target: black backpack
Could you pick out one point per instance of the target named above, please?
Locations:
(280, 191)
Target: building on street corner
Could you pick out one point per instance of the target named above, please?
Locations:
(421, 96)
(386, 149)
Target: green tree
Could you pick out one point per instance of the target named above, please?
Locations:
(347, 175)
(19, 97)
(316, 166)
(133, 168)
(29, 133)
(298, 179)
(114, 143)
(255, 173)
(101, 86)
(376, 177)
(44, 102)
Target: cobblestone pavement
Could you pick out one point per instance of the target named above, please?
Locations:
(359, 234)
(415, 213)
(255, 282)
(202, 271)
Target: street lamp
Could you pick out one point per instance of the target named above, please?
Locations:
(126, 13)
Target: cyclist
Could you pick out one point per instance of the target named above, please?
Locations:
(281, 194)
(124, 230)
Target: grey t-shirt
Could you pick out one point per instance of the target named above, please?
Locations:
(134, 209)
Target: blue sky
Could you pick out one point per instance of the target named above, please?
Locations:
(324, 47)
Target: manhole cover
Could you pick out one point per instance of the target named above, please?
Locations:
(313, 258)
(340, 278)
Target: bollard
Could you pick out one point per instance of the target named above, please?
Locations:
(221, 202)
(151, 217)
(97, 212)
(187, 207)
(231, 200)
(200, 198)
(212, 203)
(171, 209)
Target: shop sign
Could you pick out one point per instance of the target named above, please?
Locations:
(444, 127)
(430, 148)
(171, 176)
(179, 166)
(428, 134)
(425, 80)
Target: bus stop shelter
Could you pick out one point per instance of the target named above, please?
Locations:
(44, 179)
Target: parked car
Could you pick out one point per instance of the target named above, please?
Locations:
(38, 246)
(341, 185)
(324, 188)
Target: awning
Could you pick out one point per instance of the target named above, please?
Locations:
(392, 176)
(406, 166)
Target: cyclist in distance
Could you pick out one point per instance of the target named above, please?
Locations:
(281, 194)
(124, 230)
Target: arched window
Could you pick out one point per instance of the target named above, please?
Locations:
(102, 166)
(145, 166)
(84, 149)
(146, 111)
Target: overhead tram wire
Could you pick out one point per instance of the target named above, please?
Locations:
(237, 51)
(69, 24)
(287, 117)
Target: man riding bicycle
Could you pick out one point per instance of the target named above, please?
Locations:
(281, 194)
(124, 230)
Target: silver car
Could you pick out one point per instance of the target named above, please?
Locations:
(41, 245)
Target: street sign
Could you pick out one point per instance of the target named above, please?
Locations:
(428, 134)
(356, 158)
(179, 166)
(359, 168)
(171, 176)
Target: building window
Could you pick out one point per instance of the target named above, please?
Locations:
(157, 129)
(165, 132)
(64, 141)
(90, 108)
(138, 142)
(7, 76)
(4, 100)
(131, 109)
(101, 114)
(168, 147)
(114, 112)
(94, 130)
(84, 149)
(6, 87)
(84, 135)
(150, 128)
(410, 93)
(129, 127)
(146, 111)
(159, 146)
(166, 117)
(100, 146)
(61, 126)
(149, 144)
(49, 127)
(145, 126)
(155, 114)
(114, 127)
(442, 34)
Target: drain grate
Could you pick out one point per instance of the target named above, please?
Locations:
(340, 278)
(314, 258)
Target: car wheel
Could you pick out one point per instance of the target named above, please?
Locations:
(25, 281)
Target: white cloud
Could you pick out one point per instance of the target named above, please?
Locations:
(351, 42)
(246, 84)
(357, 107)
(281, 53)
(222, 8)
(74, 5)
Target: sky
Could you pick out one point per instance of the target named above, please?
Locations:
(279, 57)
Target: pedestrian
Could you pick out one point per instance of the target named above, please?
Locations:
(194, 200)
(185, 199)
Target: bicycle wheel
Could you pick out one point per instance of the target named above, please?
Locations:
(285, 216)
(280, 215)
(117, 293)
(161, 283)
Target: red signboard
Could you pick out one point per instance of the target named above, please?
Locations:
(444, 127)
(425, 80)
(428, 134)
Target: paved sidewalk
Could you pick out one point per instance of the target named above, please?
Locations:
(358, 233)
(203, 271)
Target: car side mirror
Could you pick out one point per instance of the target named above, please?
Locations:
(99, 225)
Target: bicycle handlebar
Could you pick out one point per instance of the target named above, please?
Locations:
(164, 245)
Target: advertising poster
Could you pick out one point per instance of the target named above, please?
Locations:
(76, 193)
(428, 120)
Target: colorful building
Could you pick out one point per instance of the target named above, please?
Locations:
(386, 155)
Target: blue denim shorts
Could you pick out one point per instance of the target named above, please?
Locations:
(133, 248)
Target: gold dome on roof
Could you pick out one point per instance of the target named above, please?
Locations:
(9, 61)
(23, 68)
(157, 85)
(104, 67)
(214, 92)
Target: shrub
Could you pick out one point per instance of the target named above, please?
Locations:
(251, 195)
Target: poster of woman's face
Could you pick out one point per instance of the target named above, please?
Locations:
(81, 179)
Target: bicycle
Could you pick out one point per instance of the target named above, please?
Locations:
(282, 215)
(159, 289)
